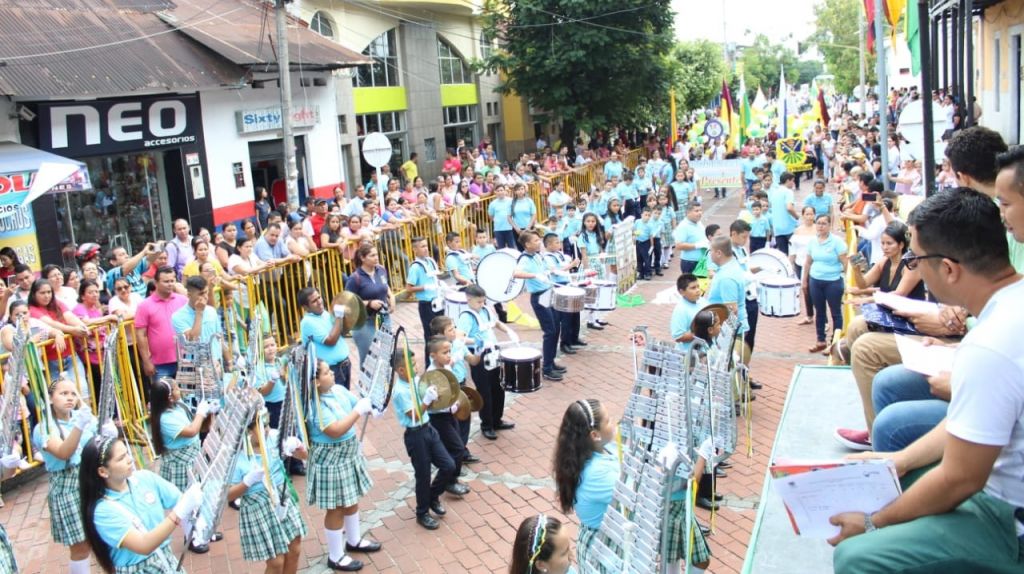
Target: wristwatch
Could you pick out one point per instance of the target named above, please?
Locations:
(868, 525)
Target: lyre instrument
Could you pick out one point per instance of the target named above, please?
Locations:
(9, 421)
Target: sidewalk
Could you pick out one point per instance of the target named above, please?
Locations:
(513, 480)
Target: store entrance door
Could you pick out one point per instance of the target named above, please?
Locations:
(178, 198)
(266, 159)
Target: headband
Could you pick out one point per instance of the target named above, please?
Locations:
(589, 412)
(540, 534)
(104, 447)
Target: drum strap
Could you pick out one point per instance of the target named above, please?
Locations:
(481, 324)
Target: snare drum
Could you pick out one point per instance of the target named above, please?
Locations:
(454, 304)
(522, 369)
(568, 299)
(590, 295)
(778, 296)
(606, 292)
(495, 274)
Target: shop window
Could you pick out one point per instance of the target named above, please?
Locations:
(459, 123)
(453, 68)
(384, 71)
(321, 24)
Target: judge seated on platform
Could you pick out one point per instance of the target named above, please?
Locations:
(962, 507)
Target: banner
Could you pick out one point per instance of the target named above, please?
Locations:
(18, 231)
(725, 173)
(791, 152)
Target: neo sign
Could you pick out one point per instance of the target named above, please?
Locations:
(377, 149)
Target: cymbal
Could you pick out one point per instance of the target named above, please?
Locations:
(465, 410)
(447, 387)
(721, 312)
(476, 402)
(355, 311)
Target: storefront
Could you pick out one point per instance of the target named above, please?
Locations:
(145, 160)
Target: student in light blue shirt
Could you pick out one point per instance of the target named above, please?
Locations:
(500, 212)
(323, 328)
(760, 227)
(642, 238)
(626, 192)
(644, 183)
(826, 259)
(613, 167)
(729, 285)
(457, 260)
(614, 216)
(483, 246)
(421, 280)
(175, 430)
(682, 187)
(819, 200)
(685, 310)
(558, 197)
(782, 213)
(534, 269)
(688, 237)
(268, 379)
(598, 204)
(657, 228)
(196, 320)
(524, 212)
(443, 419)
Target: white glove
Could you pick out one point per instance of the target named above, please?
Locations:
(214, 407)
(339, 311)
(196, 534)
(240, 363)
(512, 335)
(454, 408)
(668, 454)
(253, 477)
(189, 501)
(108, 430)
(273, 373)
(203, 409)
(363, 406)
(290, 445)
(81, 418)
(376, 414)
(430, 395)
(10, 461)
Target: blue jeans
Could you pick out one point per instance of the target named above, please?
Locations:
(687, 266)
(548, 324)
(505, 239)
(831, 293)
(905, 409)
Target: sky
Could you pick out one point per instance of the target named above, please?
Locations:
(776, 19)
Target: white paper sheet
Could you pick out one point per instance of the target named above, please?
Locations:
(904, 304)
(814, 497)
(930, 360)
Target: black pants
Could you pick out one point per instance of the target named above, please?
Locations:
(630, 207)
(643, 258)
(757, 243)
(752, 313)
(274, 410)
(687, 266)
(488, 384)
(546, 318)
(427, 315)
(572, 336)
(505, 239)
(448, 429)
(782, 243)
(425, 449)
(657, 262)
(564, 321)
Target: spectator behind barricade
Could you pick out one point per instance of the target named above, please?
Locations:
(204, 234)
(312, 224)
(66, 295)
(263, 205)
(283, 210)
(60, 321)
(524, 212)
(92, 314)
(270, 249)
(908, 180)
(354, 208)
(131, 268)
(452, 165)
(330, 233)
(244, 264)
(153, 328)
(179, 248)
(202, 251)
(297, 242)
(410, 171)
(880, 214)
(8, 261)
(228, 245)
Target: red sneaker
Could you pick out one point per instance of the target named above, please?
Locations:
(853, 439)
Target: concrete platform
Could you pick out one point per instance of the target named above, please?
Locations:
(819, 400)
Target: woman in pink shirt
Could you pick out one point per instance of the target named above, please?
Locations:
(91, 313)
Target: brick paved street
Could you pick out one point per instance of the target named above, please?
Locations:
(512, 481)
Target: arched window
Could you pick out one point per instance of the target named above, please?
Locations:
(321, 24)
(486, 46)
(453, 69)
(384, 71)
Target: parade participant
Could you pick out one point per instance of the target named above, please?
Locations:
(541, 546)
(685, 310)
(462, 360)
(826, 262)
(269, 533)
(531, 266)
(678, 526)
(443, 420)
(783, 214)
(500, 211)
(688, 237)
(729, 285)
(268, 379)
(422, 442)
(643, 236)
(370, 282)
(72, 426)
(123, 511)
(657, 227)
(323, 328)
(337, 476)
(8, 465)
(421, 281)
(478, 323)
(568, 323)
(456, 261)
(592, 243)
(668, 223)
(760, 227)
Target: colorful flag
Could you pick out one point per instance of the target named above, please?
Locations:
(760, 102)
(783, 101)
(823, 110)
(913, 35)
(744, 112)
(869, 16)
(725, 113)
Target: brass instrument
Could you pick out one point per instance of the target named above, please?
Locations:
(9, 409)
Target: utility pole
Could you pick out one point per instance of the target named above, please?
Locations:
(860, 60)
(883, 90)
(291, 175)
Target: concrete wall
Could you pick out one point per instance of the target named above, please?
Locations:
(9, 130)
(999, 98)
(421, 76)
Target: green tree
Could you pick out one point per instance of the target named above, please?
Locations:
(699, 70)
(762, 62)
(593, 64)
(808, 70)
(836, 35)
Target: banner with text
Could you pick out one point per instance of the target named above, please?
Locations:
(724, 173)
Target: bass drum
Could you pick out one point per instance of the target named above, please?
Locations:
(771, 261)
(495, 275)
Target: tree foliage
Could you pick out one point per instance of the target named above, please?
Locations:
(763, 61)
(698, 72)
(591, 63)
(836, 35)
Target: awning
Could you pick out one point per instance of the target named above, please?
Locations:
(26, 173)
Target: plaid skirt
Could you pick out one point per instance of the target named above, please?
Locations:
(586, 538)
(678, 537)
(174, 465)
(7, 561)
(264, 536)
(162, 561)
(337, 476)
(65, 510)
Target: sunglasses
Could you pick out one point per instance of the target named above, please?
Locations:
(121, 288)
(912, 260)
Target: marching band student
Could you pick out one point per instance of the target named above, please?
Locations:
(478, 324)
(271, 534)
(422, 442)
(531, 266)
(123, 511)
(568, 323)
(483, 248)
(643, 237)
(269, 380)
(592, 243)
(685, 310)
(462, 359)
(443, 420)
(8, 464)
(542, 546)
(668, 221)
(678, 527)
(657, 227)
(73, 425)
(421, 280)
(337, 476)
(456, 261)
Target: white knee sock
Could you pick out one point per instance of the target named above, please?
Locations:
(352, 529)
(335, 544)
(79, 566)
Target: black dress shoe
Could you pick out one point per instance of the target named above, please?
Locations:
(724, 464)
(364, 545)
(578, 344)
(437, 508)
(298, 471)
(505, 425)
(558, 368)
(706, 503)
(198, 548)
(567, 350)
(658, 273)
(470, 459)
(602, 322)
(720, 473)
(551, 376)
(427, 521)
(352, 566)
(457, 489)
(704, 528)
(754, 385)
(595, 327)
(217, 537)
(489, 434)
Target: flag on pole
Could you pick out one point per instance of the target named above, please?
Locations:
(725, 112)
(744, 112)
(760, 102)
(913, 35)
(869, 17)
(823, 110)
(893, 10)
(672, 110)
(783, 101)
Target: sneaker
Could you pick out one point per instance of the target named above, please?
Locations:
(853, 439)
(549, 376)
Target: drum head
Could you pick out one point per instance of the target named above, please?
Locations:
(777, 281)
(771, 261)
(455, 296)
(570, 291)
(494, 275)
(520, 354)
